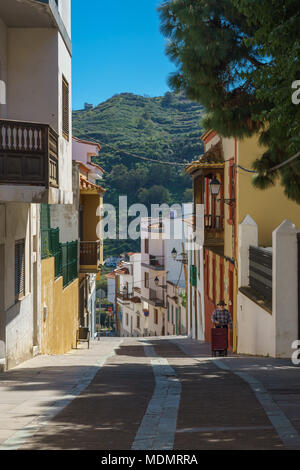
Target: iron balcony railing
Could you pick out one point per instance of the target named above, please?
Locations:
(153, 298)
(28, 154)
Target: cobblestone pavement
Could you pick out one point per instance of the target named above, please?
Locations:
(150, 394)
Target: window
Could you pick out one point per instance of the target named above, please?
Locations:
(147, 280)
(172, 314)
(19, 269)
(138, 323)
(65, 109)
(147, 246)
(168, 312)
(156, 316)
(127, 319)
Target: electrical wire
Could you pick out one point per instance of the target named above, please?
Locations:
(271, 170)
(135, 155)
(275, 168)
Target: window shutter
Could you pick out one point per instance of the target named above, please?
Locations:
(19, 269)
(193, 275)
(65, 110)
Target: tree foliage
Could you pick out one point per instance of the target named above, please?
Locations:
(239, 58)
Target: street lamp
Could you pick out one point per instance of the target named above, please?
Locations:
(215, 186)
(183, 260)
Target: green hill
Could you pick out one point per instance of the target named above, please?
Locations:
(164, 128)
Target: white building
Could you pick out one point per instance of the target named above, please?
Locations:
(35, 157)
(132, 319)
(160, 238)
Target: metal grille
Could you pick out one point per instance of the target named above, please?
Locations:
(260, 272)
(69, 262)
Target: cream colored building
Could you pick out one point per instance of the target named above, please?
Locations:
(35, 158)
(160, 271)
(128, 292)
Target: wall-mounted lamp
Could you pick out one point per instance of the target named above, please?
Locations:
(215, 187)
(183, 259)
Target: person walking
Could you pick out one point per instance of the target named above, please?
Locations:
(221, 317)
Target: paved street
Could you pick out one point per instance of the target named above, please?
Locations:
(150, 394)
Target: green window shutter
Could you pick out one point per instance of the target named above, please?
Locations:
(193, 275)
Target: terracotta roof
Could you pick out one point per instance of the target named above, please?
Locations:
(122, 271)
(86, 184)
(110, 275)
(213, 158)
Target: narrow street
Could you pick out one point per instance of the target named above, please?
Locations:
(149, 394)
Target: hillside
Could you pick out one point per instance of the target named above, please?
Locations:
(164, 128)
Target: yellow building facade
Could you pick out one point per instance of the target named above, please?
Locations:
(59, 311)
(224, 213)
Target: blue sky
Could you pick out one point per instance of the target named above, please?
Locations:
(117, 47)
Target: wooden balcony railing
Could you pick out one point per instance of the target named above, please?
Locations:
(28, 154)
(90, 253)
(213, 222)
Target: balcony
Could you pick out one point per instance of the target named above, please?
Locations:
(214, 222)
(213, 230)
(157, 263)
(154, 299)
(125, 296)
(28, 155)
(90, 257)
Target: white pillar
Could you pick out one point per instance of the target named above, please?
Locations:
(285, 287)
(248, 236)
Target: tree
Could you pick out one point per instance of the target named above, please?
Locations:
(188, 195)
(154, 195)
(238, 58)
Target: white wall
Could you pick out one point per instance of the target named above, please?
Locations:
(111, 290)
(36, 61)
(255, 328)
(20, 221)
(65, 146)
(66, 216)
(32, 91)
(137, 273)
(260, 332)
(285, 287)
(64, 8)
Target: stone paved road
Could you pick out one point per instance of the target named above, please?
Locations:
(155, 394)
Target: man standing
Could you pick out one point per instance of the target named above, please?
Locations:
(221, 317)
